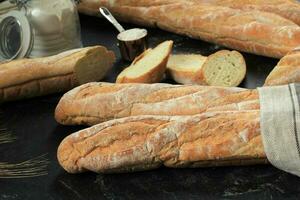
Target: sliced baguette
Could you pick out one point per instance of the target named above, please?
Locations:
(149, 67)
(184, 68)
(223, 68)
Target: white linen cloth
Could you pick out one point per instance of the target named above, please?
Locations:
(280, 126)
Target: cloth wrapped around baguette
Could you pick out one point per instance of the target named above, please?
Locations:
(250, 30)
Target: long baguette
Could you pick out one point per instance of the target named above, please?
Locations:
(289, 9)
(251, 31)
(287, 70)
(147, 142)
(93, 103)
(40, 76)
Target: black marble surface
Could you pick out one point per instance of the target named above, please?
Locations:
(37, 133)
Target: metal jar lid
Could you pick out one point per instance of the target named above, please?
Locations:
(16, 36)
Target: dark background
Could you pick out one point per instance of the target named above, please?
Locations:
(37, 133)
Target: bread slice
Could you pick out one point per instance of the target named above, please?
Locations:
(149, 67)
(184, 68)
(223, 68)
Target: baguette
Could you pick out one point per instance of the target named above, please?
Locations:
(149, 67)
(40, 76)
(147, 142)
(93, 103)
(287, 70)
(289, 9)
(251, 31)
(223, 68)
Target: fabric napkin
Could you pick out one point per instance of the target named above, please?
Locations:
(280, 126)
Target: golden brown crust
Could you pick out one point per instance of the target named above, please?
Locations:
(289, 9)
(35, 77)
(251, 31)
(287, 70)
(39, 87)
(98, 102)
(146, 142)
(248, 95)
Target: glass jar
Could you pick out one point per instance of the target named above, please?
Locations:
(39, 28)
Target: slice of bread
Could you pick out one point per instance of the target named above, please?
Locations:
(223, 68)
(186, 68)
(149, 67)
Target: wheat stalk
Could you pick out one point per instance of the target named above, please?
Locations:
(26, 169)
(6, 137)
(30, 168)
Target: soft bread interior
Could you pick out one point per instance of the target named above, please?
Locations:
(186, 62)
(224, 68)
(94, 65)
(149, 60)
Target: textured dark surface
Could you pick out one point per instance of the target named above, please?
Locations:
(33, 123)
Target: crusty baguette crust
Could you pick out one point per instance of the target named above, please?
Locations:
(35, 77)
(93, 103)
(287, 70)
(289, 9)
(251, 31)
(147, 142)
(244, 105)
